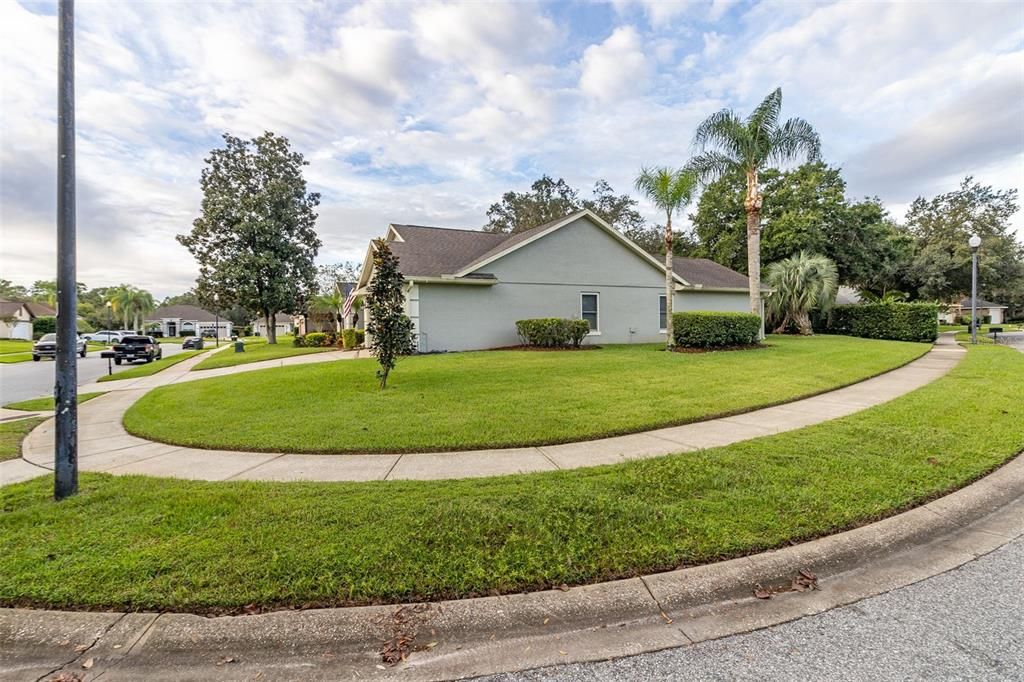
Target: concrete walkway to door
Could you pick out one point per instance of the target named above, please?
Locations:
(105, 446)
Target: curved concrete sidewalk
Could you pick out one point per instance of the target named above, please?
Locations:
(470, 637)
(104, 445)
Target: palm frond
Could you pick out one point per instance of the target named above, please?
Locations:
(719, 130)
(764, 119)
(710, 166)
(802, 283)
(667, 188)
(795, 139)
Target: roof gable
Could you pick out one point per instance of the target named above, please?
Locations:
(181, 312)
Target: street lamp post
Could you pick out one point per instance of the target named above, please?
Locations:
(216, 324)
(974, 242)
(65, 390)
(110, 320)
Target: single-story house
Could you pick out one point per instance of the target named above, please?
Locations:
(187, 320)
(16, 318)
(988, 312)
(465, 289)
(283, 323)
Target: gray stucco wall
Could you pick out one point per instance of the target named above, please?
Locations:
(545, 279)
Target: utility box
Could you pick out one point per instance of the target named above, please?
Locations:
(239, 346)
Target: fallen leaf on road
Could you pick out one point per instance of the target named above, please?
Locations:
(227, 659)
(66, 677)
(81, 647)
(762, 593)
(89, 663)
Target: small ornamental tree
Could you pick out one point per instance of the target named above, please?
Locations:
(388, 325)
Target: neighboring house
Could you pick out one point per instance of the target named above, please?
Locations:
(17, 317)
(186, 320)
(283, 323)
(988, 312)
(15, 320)
(466, 288)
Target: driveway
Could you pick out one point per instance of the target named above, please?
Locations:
(961, 625)
(26, 380)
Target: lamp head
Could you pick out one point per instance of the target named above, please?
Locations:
(110, 304)
(974, 242)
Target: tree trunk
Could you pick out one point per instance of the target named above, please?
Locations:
(670, 341)
(271, 329)
(752, 205)
(338, 322)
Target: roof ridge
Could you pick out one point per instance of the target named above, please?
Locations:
(450, 229)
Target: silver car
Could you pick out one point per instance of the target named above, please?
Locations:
(46, 347)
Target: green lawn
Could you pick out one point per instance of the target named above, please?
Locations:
(40, 404)
(11, 435)
(207, 546)
(14, 346)
(11, 358)
(499, 398)
(256, 349)
(135, 371)
(1006, 327)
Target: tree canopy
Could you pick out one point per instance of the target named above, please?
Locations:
(550, 200)
(256, 239)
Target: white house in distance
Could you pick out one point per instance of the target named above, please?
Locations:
(467, 288)
(986, 309)
(16, 318)
(186, 320)
(283, 324)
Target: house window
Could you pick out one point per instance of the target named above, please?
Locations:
(588, 311)
(662, 322)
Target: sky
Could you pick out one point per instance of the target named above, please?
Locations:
(427, 112)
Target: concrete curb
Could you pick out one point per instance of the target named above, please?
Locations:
(464, 638)
(107, 447)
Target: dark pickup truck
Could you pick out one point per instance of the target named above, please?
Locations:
(132, 348)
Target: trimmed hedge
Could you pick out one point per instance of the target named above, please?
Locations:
(350, 338)
(552, 332)
(894, 321)
(707, 329)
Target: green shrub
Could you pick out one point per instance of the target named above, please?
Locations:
(360, 337)
(44, 325)
(348, 338)
(316, 339)
(299, 341)
(552, 332)
(895, 321)
(714, 330)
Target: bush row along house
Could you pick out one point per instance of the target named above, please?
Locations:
(465, 289)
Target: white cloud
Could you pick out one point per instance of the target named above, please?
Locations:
(616, 67)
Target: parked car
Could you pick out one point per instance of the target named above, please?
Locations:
(105, 336)
(46, 347)
(192, 342)
(132, 348)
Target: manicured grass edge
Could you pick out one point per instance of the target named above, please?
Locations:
(44, 404)
(169, 361)
(28, 424)
(611, 433)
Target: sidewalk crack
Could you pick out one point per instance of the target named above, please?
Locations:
(83, 652)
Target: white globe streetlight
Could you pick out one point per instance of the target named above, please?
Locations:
(974, 242)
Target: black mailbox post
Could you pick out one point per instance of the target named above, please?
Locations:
(996, 331)
(109, 355)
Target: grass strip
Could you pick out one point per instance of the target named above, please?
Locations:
(41, 404)
(145, 543)
(256, 350)
(492, 399)
(11, 435)
(136, 371)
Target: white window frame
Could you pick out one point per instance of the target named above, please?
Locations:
(597, 295)
(662, 297)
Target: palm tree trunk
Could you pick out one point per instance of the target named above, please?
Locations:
(670, 342)
(752, 205)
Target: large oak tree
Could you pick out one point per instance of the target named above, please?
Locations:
(256, 238)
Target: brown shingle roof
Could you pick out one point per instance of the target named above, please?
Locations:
(40, 309)
(9, 308)
(708, 273)
(435, 251)
(982, 303)
(181, 312)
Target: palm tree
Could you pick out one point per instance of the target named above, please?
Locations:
(142, 306)
(332, 304)
(801, 283)
(729, 143)
(670, 190)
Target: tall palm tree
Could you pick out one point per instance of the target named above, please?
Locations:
(730, 143)
(801, 283)
(142, 306)
(332, 304)
(670, 190)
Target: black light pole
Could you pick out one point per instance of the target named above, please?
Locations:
(65, 393)
(216, 313)
(974, 242)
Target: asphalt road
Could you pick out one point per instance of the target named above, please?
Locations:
(25, 380)
(967, 624)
